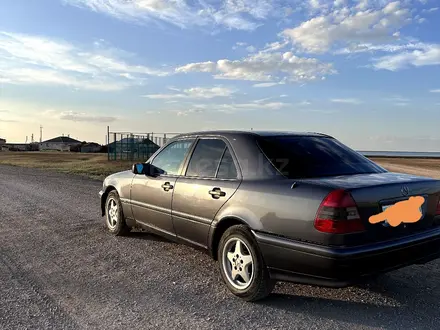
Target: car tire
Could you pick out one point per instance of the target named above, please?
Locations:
(114, 215)
(235, 264)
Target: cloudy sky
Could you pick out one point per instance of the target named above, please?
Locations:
(364, 71)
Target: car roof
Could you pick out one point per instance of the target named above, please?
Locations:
(251, 132)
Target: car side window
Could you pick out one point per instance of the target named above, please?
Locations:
(206, 158)
(172, 156)
(227, 169)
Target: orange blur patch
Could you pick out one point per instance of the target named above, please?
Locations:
(406, 211)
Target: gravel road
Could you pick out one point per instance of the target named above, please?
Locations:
(60, 269)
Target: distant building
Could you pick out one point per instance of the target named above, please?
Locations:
(15, 147)
(61, 143)
(3, 147)
(91, 147)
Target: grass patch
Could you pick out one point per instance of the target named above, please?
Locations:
(94, 166)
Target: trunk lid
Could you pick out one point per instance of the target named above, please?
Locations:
(372, 192)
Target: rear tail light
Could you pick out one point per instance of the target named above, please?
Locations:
(338, 214)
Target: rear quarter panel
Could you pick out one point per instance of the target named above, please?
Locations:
(273, 206)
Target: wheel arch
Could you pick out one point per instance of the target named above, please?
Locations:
(218, 231)
(104, 197)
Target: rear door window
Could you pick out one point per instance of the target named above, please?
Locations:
(227, 169)
(206, 158)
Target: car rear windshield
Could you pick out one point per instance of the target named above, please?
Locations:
(310, 157)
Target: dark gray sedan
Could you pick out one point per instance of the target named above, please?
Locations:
(272, 206)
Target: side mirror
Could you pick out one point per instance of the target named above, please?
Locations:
(146, 169)
(138, 168)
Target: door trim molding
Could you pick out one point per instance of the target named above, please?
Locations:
(151, 207)
(192, 218)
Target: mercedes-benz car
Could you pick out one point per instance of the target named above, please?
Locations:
(275, 206)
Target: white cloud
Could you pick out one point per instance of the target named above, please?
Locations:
(195, 93)
(430, 10)
(428, 54)
(361, 24)
(314, 4)
(198, 67)
(189, 111)
(239, 44)
(261, 104)
(274, 46)
(256, 105)
(268, 84)
(37, 60)
(85, 117)
(232, 14)
(363, 4)
(373, 48)
(304, 103)
(346, 101)
(249, 48)
(266, 67)
(435, 90)
(339, 3)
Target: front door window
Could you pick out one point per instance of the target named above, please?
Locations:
(170, 159)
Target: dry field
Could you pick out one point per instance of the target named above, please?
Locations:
(418, 166)
(97, 166)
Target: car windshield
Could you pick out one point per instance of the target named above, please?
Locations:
(309, 157)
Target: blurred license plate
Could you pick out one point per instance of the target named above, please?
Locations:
(384, 207)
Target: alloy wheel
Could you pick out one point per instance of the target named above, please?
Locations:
(112, 213)
(237, 263)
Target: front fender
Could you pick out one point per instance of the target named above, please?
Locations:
(121, 182)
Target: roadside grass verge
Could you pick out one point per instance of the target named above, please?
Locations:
(95, 166)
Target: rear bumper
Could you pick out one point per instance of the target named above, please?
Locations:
(299, 262)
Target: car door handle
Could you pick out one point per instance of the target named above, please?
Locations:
(167, 186)
(217, 193)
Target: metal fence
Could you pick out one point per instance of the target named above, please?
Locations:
(135, 146)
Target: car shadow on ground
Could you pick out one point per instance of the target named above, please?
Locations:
(145, 235)
(361, 313)
(376, 303)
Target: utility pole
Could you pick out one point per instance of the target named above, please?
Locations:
(41, 134)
